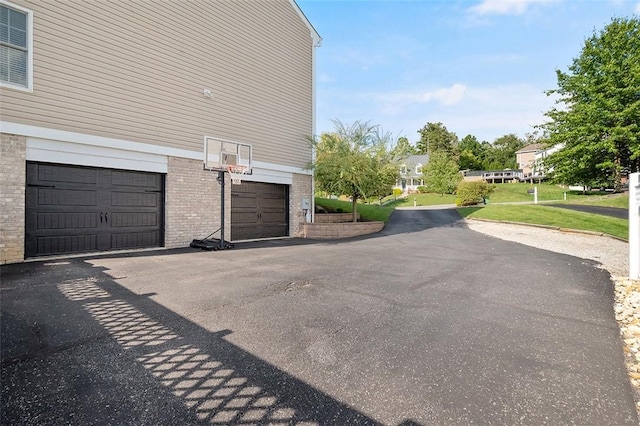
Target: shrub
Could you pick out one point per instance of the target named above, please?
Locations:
(396, 192)
(469, 193)
(422, 189)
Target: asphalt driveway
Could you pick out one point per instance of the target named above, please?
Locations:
(601, 210)
(425, 323)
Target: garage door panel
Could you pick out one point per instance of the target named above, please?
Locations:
(51, 173)
(133, 199)
(240, 218)
(66, 220)
(95, 209)
(136, 179)
(66, 197)
(66, 244)
(271, 217)
(133, 219)
(271, 231)
(126, 240)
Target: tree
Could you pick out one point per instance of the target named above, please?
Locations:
(502, 153)
(435, 137)
(441, 173)
(354, 160)
(597, 120)
(403, 148)
(470, 153)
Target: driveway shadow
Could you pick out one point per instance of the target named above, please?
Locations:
(79, 348)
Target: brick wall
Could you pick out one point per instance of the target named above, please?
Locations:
(300, 188)
(192, 204)
(335, 217)
(324, 231)
(12, 197)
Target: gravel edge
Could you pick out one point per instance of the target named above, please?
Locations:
(611, 254)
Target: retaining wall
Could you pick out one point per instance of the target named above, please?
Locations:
(326, 231)
(335, 217)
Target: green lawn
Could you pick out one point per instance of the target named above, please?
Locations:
(610, 200)
(367, 212)
(504, 193)
(552, 216)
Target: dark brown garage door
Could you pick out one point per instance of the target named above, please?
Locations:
(72, 209)
(259, 210)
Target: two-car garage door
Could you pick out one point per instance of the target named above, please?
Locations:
(76, 209)
(72, 209)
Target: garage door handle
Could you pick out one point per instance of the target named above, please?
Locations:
(106, 217)
(100, 217)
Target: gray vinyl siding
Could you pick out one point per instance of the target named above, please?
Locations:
(135, 70)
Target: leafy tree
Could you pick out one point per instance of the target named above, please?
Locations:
(435, 137)
(403, 148)
(441, 173)
(502, 154)
(597, 120)
(355, 161)
(470, 153)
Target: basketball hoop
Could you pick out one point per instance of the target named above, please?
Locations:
(236, 172)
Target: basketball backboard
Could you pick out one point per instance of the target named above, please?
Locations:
(220, 153)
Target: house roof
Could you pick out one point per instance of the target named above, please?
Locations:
(415, 159)
(534, 147)
(317, 40)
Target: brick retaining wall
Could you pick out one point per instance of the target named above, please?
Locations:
(325, 231)
(335, 217)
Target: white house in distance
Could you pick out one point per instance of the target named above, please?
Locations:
(411, 174)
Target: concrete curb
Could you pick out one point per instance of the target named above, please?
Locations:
(554, 228)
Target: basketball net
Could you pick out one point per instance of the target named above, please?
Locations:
(236, 172)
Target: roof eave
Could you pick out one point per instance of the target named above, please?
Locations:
(317, 40)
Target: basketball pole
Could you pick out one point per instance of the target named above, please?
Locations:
(221, 182)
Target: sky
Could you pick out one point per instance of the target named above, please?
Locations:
(479, 67)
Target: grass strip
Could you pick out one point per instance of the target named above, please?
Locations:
(541, 215)
(367, 212)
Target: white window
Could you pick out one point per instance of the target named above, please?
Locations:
(16, 46)
(403, 169)
(418, 169)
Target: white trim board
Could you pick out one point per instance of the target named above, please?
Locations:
(41, 139)
(86, 155)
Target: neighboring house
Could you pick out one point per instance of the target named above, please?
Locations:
(105, 107)
(494, 176)
(539, 168)
(411, 174)
(526, 157)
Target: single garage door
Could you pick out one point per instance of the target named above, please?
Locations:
(259, 210)
(73, 209)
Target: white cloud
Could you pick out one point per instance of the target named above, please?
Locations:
(485, 112)
(503, 7)
(395, 102)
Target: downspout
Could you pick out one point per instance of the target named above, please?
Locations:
(317, 42)
(313, 127)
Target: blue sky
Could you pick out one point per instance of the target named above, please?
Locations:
(479, 67)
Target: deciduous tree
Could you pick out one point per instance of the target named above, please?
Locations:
(441, 173)
(597, 118)
(354, 160)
